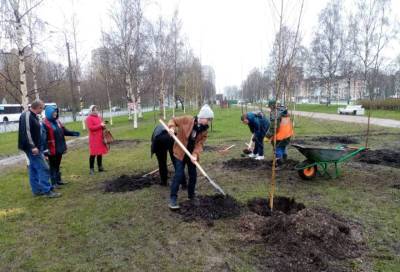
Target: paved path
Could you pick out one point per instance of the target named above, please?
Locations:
(350, 119)
(20, 158)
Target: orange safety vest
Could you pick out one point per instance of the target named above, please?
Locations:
(285, 129)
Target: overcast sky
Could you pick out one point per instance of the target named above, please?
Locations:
(233, 36)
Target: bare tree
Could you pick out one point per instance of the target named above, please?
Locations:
(285, 49)
(328, 45)
(14, 14)
(371, 33)
(124, 40)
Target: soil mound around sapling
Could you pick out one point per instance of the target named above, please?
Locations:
(301, 239)
(385, 157)
(127, 183)
(251, 164)
(281, 204)
(210, 208)
(336, 139)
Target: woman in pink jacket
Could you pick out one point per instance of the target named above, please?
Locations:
(97, 147)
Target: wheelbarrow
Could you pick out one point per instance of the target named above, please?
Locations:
(319, 158)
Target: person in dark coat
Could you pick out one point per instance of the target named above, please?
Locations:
(259, 126)
(53, 142)
(162, 144)
(29, 141)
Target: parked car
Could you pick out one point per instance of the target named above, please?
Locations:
(114, 109)
(352, 109)
(84, 112)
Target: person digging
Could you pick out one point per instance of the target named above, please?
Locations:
(162, 144)
(284, 131)
(258, 125)
(192, 132)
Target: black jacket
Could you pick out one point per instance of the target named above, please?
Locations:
(29, 131)
(161, 140)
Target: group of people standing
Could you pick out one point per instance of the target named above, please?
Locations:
(192, 133)
(43, 142)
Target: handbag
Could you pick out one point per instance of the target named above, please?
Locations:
(107, 137)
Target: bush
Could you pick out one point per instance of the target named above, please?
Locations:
(387, 104)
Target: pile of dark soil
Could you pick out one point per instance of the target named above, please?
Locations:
(210, 208)
(281, 205)
(302, 239)
(126, 183)
(385, 157)
(250, 164)
(396, 186)
(336, 139)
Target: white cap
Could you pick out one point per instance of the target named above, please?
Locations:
(206, 112)
(91, 108)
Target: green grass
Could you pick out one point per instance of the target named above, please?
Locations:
(332, 109)
(88, 230)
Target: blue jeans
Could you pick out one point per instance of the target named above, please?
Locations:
(39, 174)
(179, 177)
(281, 150)
(259, 146)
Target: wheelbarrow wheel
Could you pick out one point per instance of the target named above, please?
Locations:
(308, 173)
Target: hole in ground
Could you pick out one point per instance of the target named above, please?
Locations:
(282, 204)
(209, 208)
(127, 183)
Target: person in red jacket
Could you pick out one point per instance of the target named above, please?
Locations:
(97, 147)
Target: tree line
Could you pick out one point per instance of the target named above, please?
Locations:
(138, 62)
(344, 45)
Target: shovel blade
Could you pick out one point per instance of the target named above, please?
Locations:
(216, 186)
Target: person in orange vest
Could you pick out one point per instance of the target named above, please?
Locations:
(284, 131)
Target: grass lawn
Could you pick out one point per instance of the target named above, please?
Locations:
(89, 230)
(386, 114)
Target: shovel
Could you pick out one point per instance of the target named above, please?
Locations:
(215, 185)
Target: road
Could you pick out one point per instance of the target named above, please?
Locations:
(350, 119)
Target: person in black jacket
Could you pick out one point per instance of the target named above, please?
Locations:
(53, 143)
(29, 141)
(161, 144)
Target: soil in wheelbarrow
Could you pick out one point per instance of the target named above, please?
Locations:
(127, 183)
(297, 238)
(251, 164)
(385, 157)
(210, 208)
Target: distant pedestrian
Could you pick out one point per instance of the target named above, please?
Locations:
(259, 126)
(192, 132)
(29, 141)
(162, 144)
(97, 147)
(54, 145)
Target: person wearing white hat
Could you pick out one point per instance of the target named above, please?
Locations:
(192, 132)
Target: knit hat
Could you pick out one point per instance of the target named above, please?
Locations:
(92, 107)
(206, 112)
